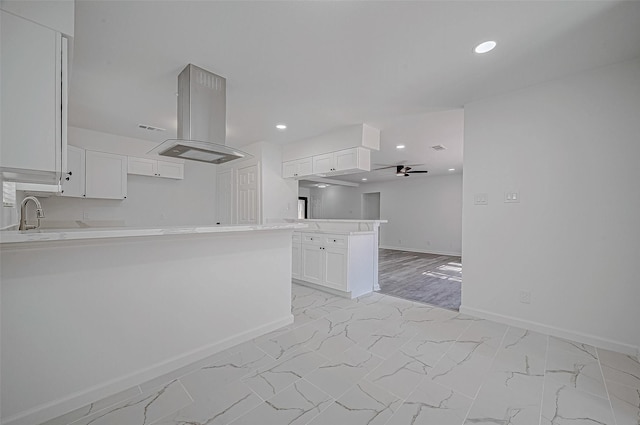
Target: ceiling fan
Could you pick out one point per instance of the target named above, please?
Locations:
(403, 170)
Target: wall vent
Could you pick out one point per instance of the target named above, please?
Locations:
(438, 148)
(150, 127)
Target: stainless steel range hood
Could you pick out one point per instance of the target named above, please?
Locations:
(202, 120)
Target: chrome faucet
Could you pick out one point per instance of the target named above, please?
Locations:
(23, 213)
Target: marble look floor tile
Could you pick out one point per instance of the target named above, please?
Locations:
(491, 333)
(563, 405)
(431, 404)
(364, 404)
(143, 409)
(400, 374)
(224, 405)
(205, 381)
(332, 336)
(388, 339)
(160, 381)
(576, 370)
(465, 366)
(430, 346)
(525, 341)
(625, 402)
(509, 397)
(343, 371)
(270, 380)
(95, 407)
(556, 343)
(286, 343)
(621, 368)
(296, 405)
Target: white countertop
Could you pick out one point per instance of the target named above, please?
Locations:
(338, 220)
(16, 236)
(336, 232)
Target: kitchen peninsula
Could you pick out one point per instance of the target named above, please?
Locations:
(90, 312)
(337, 256)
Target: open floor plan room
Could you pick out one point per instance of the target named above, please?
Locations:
(383, 360)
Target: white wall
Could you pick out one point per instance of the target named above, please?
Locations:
(151, 201)
(571, 148)
(424, 213)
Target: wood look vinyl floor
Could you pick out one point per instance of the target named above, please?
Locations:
(428, 278)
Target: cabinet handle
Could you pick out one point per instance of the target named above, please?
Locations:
(67, 178)
(70, 174)
(334, 240)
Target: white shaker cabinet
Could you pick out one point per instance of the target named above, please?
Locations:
(342, 162)
(297, 168)
(74, 179)
(106, 175)
(340, 263)
(155, 168)
(33, 101)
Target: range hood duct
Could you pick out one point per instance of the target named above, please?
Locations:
(202, 120)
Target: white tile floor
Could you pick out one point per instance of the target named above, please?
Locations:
(383, 360)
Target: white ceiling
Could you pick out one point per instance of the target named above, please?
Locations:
(320, 65)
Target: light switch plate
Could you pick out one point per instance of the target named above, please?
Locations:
(511, 197)
(481, 199)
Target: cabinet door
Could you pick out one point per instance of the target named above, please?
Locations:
(323, 163)
(305, 167)
(296, 258)
(106, 175)
(335, 268)
(170, 170)
(312, 264)
(142, 166)
(73, 180)
(346, 159)
(31, 133)
(289, 169)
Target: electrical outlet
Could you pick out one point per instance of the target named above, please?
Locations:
(525, 297)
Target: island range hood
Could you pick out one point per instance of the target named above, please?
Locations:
(202, 119)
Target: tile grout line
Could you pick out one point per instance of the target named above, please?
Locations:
(606, 387)
(544, 378)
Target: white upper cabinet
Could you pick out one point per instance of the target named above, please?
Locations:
(33, 101)
(106, 175)
(342, 162)
(155, 168)
(73, 180)
(297, 168)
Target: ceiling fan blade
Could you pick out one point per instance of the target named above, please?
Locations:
(417, 171)
(384, 168)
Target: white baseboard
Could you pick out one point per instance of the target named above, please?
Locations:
(423, 251)
(554, 331)
(80, 399)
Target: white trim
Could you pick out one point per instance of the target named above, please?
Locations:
(80, 399)
(584, 338)
(423, 251)
(322, 288)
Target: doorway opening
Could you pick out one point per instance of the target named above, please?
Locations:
(303, 208)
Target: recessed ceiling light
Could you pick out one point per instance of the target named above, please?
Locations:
(321, 186)
(400, 147)
(485, 47)
(452, 169)
(364, 179)
(281, 126)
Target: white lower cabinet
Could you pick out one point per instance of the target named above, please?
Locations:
(342, 263)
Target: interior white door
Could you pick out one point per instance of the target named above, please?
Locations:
(248, 195)
(224, 195)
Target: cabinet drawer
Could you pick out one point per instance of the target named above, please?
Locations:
(312, 239)
(335, 240)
